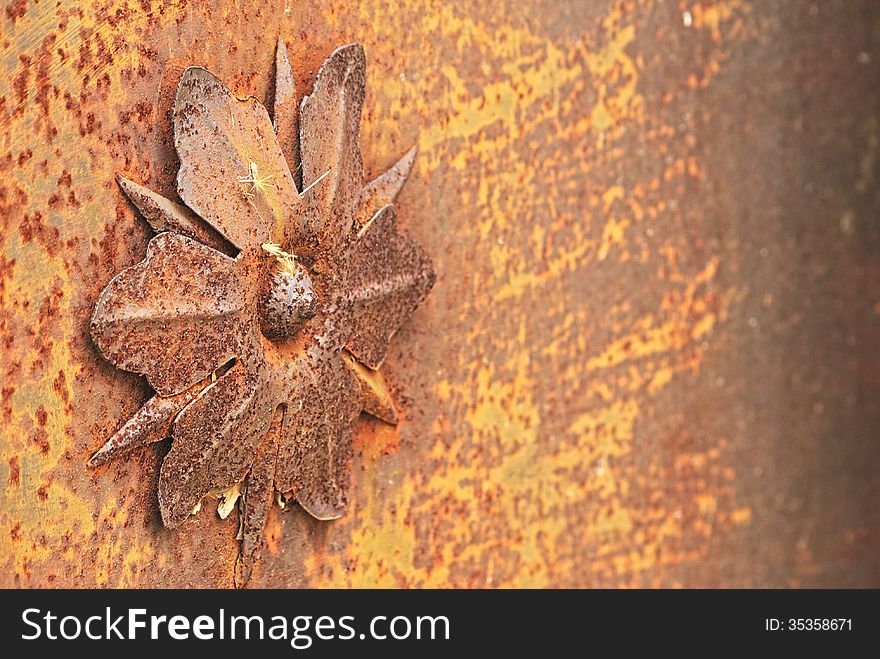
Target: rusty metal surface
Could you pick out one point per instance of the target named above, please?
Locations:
(650, 354)
(308, 281)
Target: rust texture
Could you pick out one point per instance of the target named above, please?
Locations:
(309, 281)
(649, 358)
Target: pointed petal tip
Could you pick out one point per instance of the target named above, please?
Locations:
(405, 164)
(410, 155)
(391, 417)
(108, 451)
(385, 413)
(99, 458)
(281, 56)
(285, 117)
(127, 186)
(377, 399)
(383, 190)
(105, 454)
(244, 567)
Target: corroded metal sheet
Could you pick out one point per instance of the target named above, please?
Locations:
(270, 322)
(649, 357)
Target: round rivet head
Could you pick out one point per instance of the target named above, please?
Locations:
(287, 302)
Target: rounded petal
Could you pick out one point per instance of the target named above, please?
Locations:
(176, 316)
(215, 439)
(315, 452)
(329, 132)
(232, 172)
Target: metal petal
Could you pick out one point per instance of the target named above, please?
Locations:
(174, 317)
(259, 493)
(315, 453)
(214, 440)
(329, 129)
(164, 215)
(285, 111)
(232, 171)
(377, 399)
(383, 190)
(151, 423)
(388, 275)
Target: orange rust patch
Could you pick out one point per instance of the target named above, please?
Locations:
(653, 256)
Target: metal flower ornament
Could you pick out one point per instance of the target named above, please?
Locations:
(266, 303)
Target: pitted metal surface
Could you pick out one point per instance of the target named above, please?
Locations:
(188, 310)
(649, 358)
